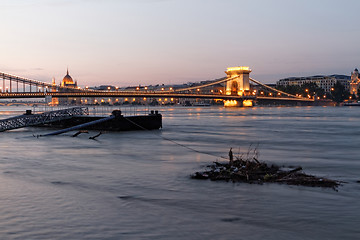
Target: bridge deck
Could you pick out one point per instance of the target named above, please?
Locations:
(145, 94)
(43, 118)
(193, 91)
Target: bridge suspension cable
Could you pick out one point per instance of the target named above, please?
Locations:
(205, 85)
(232, 78)
(274, 89)
(10, 77)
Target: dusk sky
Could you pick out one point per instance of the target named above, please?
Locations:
(132, 42)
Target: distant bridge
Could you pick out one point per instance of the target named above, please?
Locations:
(236, 91)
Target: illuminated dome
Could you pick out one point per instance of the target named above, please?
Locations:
(67, 80)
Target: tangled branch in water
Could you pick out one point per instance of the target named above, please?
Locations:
(251, 170)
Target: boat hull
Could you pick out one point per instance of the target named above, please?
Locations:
(120, 123)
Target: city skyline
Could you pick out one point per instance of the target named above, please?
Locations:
(172, 42)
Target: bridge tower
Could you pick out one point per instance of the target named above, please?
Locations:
(238, 85)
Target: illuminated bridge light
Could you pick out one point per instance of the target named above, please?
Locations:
(242, 68)
(230, 103)
(247, 103)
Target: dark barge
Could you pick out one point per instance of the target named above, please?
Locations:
(78, 118)
(116, 122)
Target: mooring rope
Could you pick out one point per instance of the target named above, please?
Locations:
(179, 144)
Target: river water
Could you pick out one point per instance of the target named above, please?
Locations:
(136, 185)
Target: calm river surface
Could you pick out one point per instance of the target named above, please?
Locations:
(136, 185)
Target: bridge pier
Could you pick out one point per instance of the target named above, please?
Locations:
(238, 103)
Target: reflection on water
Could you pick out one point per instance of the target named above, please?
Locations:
(136, 185)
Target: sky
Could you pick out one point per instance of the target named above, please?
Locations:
(132, 42)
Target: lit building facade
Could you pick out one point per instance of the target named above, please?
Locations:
(355, 82)
(324, 82)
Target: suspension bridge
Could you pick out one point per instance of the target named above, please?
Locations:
(236, 89)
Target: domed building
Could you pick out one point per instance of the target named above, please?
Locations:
(68, 81)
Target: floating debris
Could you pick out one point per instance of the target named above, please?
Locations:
(254, 171)
(97, 135)
(79, 132)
